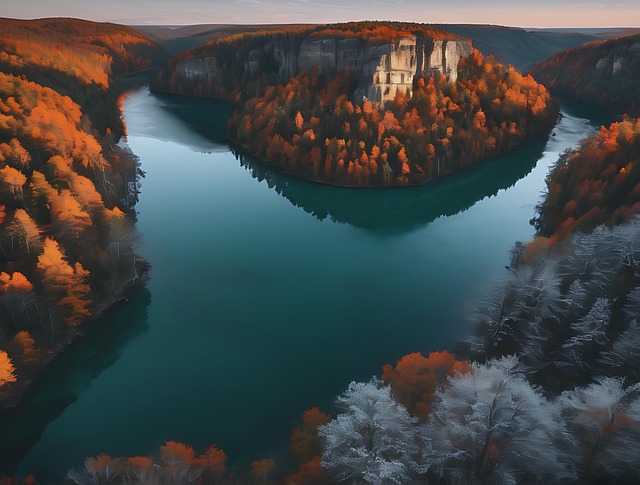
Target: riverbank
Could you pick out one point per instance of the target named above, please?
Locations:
(11, 396)
(223, 330)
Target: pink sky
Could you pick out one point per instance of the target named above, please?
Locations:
(541, 13)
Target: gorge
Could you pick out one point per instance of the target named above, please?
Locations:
(234, 307)
(262, 293)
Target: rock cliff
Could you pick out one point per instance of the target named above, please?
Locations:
(381, 68)
(601, 72)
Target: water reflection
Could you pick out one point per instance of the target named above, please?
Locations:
(200, 124)
(399, 209)
(70, 375)
(383, 211)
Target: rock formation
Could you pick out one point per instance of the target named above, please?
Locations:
(601, 72)
(381, 68)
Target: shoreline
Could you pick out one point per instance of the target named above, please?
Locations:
(12, 396)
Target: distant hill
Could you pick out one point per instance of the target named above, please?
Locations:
(77, 58)
(602, 72)
(519, 47)
(177, 39)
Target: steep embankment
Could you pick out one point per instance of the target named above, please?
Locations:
(384, 58)
(601, 72)
(364, 104)
(66, 187)
(519, 47)
(597, 183)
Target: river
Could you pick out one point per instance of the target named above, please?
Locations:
(268, 294)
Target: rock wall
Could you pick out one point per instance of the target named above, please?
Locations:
(390, 68)
(203, 70)
(382, 69)
(624, 59)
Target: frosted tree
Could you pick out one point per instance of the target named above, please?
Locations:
(624, 355)
(97, 470)
(605, 420)
(490, 424)
(374, 440)
(568, 312)
(589, 340)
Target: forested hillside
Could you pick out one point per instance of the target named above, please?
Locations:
(600, 72)
(598, 183)
(304, 106)
(440, 128)
(67, 189)
(546, 390)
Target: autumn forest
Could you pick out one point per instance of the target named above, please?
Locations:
(530, 374)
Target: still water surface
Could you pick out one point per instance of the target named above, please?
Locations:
(268, 294)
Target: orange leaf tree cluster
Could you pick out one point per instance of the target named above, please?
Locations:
(79, 59)
(382, 31)
(597, 183)
(86, 51)
(65, 185)
(172, 463)
(311, 127)
(415, 379)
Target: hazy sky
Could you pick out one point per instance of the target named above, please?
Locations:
(537, 13)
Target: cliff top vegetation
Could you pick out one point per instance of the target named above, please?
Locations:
(367, 31)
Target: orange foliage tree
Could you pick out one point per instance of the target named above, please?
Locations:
(64, 282)
(263, 470)
(25, 230)
(23, 345)
(415, 379)
(7, 370)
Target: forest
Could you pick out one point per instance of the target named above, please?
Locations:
(547, 389)
(598, 183)
(311, 127)
(67, 188)
(602, 72)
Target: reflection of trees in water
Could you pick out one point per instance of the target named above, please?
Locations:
(69, 375)
(399, 209)
(206, 117)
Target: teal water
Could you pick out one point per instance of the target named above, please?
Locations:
(268, 294)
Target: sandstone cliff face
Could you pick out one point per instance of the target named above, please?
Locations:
(381, 69)
(391, 67)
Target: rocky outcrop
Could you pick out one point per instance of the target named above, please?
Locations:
(381, 69)
(602, 72)
(617, 62)
(390, 68)
(199, 69)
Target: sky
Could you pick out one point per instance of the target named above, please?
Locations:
(538, 13)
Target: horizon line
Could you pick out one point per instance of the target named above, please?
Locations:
(182, 25)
